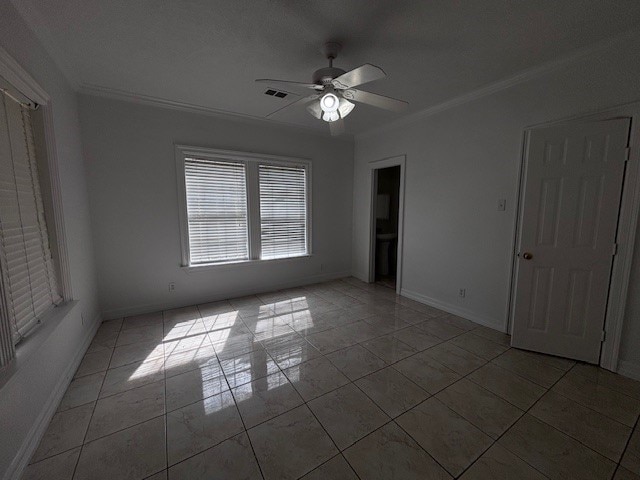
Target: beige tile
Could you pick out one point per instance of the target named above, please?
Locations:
(427, 373)
(315, 377)
(361, 331)
(194, 385)
(391, 391)
(417, 338)
(188, 343)
(201, 425)
(589, 427)
(65, 431)
(103, 341)
(356, 361)
(131, 454)
(265, 398)
(292, 352)
(82, 390)
(440, 329)
(135, 353)
(335, 469)
(631, 457)
(602, 399)
(608, 379)
(347, 414)
(183, 361)
(94, 363)
(498, 463)
(493, 335)
(59, 467)
(518, 362)
(143, 320)
(624, 474)
(455, 358)
(389, 348)
(231, 346)
(389, 453)
(110, 326)
(231, 459)
(479, 346)
(513, 388)
(412, 316)
(388, 322)
(553, 453)
(149, 333)
(158, 476)
(247, 367)
(330, 340)
(291, 445)
(184, 331)
(487, 411)
(446, 436)
(126, 409)
(127, 377)
(459, 322)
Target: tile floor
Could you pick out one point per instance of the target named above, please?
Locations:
(341, 380)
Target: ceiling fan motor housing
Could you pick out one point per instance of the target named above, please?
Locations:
(324, 76)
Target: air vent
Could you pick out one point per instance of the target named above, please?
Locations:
(275, 93)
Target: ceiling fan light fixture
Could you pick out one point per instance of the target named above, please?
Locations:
(330, 116)
(345, 107)
(329, 103)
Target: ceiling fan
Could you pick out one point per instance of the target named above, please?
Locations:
(333, 90)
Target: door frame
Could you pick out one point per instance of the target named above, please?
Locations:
(401, 161)
(625, 234)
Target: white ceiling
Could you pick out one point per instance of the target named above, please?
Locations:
(208, 52)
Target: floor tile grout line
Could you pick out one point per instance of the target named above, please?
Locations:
(571, 436)
(93, 411)
(619, 464)
(392, 332)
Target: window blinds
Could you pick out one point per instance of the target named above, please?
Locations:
(283, 211)
(29, 285)
(216, 210)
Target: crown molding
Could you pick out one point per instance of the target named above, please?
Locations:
(142, 99)
(503, 84)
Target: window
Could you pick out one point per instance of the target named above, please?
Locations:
(28, 286)
(238, 207)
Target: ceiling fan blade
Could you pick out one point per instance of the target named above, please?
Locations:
(358, 76)
(315, 110)
(300, 101)
(336, 127)
(287, 85)
(376, 100)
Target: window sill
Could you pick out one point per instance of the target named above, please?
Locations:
(26, 348)
(242, 263)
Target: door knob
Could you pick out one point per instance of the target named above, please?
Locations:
(527, 256)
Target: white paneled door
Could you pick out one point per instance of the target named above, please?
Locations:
(569, 214)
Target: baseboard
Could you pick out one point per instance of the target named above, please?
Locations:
(629, 369)
(454, 309)
(21, 460)
(156, 307)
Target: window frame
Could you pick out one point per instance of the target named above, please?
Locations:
(251, 161)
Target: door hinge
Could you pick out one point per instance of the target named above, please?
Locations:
(604, 335)
(615, 249)
(627, 154)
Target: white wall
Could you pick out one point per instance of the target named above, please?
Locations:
(461, 161)
(130, 159)
(32, 391)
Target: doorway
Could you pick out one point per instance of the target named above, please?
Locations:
(570, 207)
(386, 229)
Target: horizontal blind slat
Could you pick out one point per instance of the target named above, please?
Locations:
(216, 195)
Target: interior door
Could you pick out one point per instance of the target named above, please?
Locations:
(572, 186)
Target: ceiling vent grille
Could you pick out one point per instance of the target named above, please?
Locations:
(275, 93)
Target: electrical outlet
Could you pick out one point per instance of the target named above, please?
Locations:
(462, 292)
(172, 286)
(502, 204)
